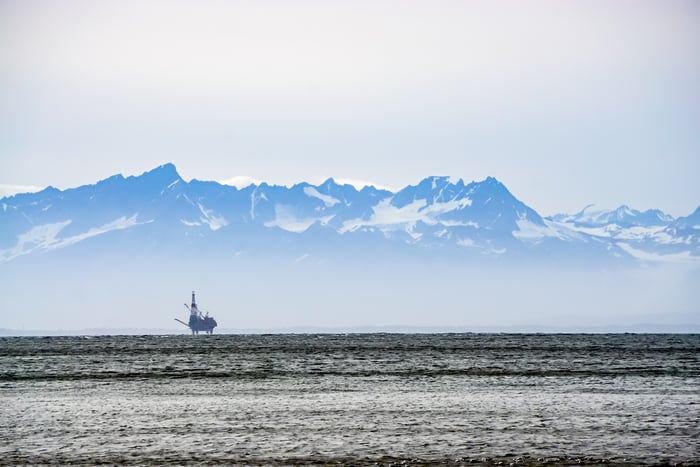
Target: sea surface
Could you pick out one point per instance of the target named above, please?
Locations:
(490, 399)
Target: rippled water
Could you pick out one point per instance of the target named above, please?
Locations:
(280, 399)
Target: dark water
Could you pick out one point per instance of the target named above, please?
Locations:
(352, 399)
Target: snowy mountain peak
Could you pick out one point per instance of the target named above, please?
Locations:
(158, 209)
(166, 173)
(625, 210)
(441, 181)
(492, 184)
(591, 216)
(329, 182)
(691, 222)
(434, 189)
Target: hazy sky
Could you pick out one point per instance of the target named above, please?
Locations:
(567, 102)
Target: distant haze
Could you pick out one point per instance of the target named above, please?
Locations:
(125, 253)
(568, 103)
(272, 296)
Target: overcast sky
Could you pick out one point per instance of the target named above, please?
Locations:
(566, 102)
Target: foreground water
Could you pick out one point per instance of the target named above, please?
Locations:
(280, 399)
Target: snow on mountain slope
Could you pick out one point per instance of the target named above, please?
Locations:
(438, 214)
(437, 200)
(650, 235)
(531, 231)
(46, 237)
(211, 219)
(623, 216)
(329, 201)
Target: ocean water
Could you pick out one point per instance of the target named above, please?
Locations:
(351, 399)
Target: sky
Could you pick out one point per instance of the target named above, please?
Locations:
(567, 103)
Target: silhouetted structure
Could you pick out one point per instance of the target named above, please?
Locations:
(198, 321)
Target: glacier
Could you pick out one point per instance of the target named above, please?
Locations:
(440, 215)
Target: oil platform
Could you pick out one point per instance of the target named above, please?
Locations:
(198, 321)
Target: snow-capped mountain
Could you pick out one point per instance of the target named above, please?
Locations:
(649, 235)
(623, 216)
(160, 211)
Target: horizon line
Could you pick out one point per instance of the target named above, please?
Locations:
(637, 328)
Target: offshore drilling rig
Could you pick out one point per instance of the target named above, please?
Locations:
(198, 321)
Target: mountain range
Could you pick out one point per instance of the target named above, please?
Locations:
(159, 212)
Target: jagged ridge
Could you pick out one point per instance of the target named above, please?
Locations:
(437, 215)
